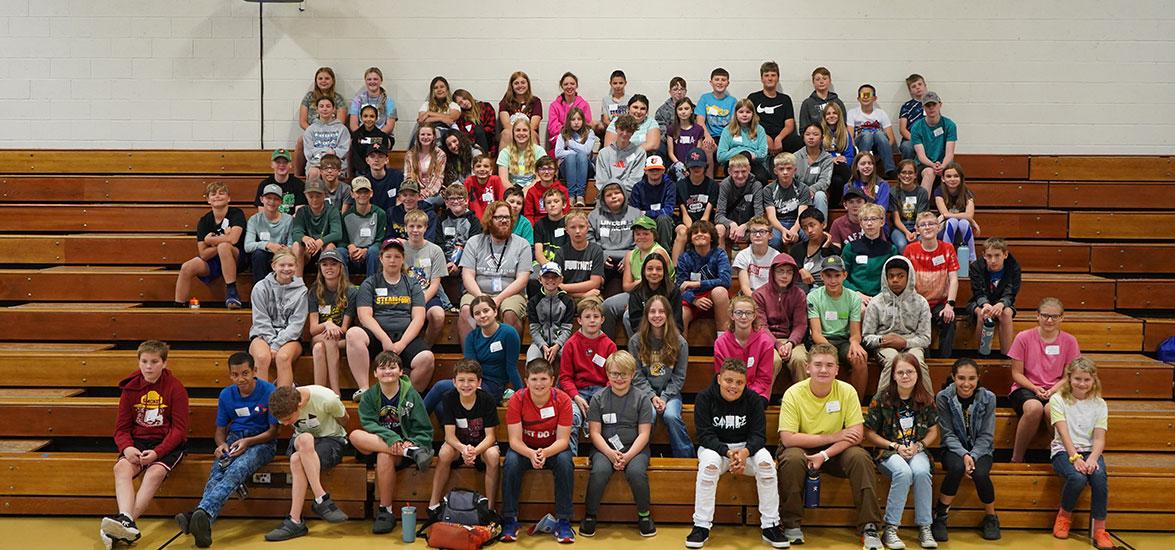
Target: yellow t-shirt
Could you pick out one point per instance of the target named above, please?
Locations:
(803, 412)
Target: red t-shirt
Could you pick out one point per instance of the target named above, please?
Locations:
(492, 190)
(932, 269)
(533, 206)
(581, 362)
(539, 422)
(533, 108)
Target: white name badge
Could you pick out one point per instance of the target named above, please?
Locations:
(495, 346)
(862, 259)
(547, 412)
(703, 198)
(737, 139)
(424, 262)
(906, 422)
(559, 232)
(224, 224)
(1052, 350)
(462, 423)
(749, 197)
(450, 231)
(911, 200)
(391, 193)
(938, 260)
(615, 442)
(325, 310)
(696, 277)
(598, 359)
(151, 416)
(364, 231)
(937, 132)
(809, 266)
(496, 284)
(609, 418)
(604, 231)
(832, 406)
(750, 362)
(655, 206)
(831, 316)
(381, 292)
(814, 170)
(263, 236)
(488, 196)
(241, 411)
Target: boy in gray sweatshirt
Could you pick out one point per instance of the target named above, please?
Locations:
(623, 161)
(611, 226)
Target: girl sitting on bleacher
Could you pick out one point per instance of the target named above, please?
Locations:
(966, 417)
(330, 313)
(425, 163)
(838, 142)
(662, 357)
(1080, 417)
(279, 312)
(956, 209)
(324, 86)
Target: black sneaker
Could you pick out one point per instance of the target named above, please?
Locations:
(773, 536)
(384, 522)
(328, 510)
(646, 525)
(287, 530)
(991, 527)
(697, 537)
(939, 525)
(587, 527)
(182, 519)
(121, 527)
(201, 528)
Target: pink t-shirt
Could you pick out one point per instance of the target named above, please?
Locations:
(1044, 364)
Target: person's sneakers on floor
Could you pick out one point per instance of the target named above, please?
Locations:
(926, 537)
(646, 525)
(384, 522)
(773, 536)
(870, 538)
(182, 520)
(890, 538)
(287, 530)
(1101, 539)
(991, 527)
(328, 510)
(563, 532)
(794, 535)
(201, 527)
(697, 537)
(939, 525)
(120, 526)
(1062, 524)
(587, 527)
(509, 530)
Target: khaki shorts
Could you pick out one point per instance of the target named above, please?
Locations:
(515, 304)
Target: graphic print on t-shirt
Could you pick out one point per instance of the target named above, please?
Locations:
(149, 409)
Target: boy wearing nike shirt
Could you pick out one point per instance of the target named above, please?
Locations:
(776, 112)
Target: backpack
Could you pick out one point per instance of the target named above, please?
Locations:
(1167, 350)
(464, 521)
(466, 507)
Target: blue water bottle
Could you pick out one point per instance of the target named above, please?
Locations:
(408, 522)
(812, 489)
(964, 261)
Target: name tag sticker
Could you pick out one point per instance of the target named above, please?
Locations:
(312, 423)
(462, 423)
(749, 197)
(1052, 350)
(696, 277)
(938, 260)
(862, 259)
(937, 132)
(831, 316)
(832, 406)
(391, 193)
(263, 236)
(750, 362)
(703, 198)
(559, 232)
(450, 231)
(364, 231)
(655, 206)
(615, 442)
(488, 196)
(815, 170)
(906, 422)
(241, 411)
(547, 412)
(424, 262)
(609, 418)
(495, 346)
(381, 292)
(911, 200)
(324, 310)
(737, 139)
(496, 284)
(604, 231)
(598, 359)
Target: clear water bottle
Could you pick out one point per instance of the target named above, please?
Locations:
(812, 489)
(408, 521)
(964, 261)
(988, 333)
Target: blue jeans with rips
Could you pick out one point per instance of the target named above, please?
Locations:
(223, 480)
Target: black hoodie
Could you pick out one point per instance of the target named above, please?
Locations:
(720, 422)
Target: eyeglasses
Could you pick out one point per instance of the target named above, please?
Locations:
(547, 169)
(502, 218)
(758, 231)
(1051, 316)
(871, 219)
(743, 313)
(927, 225)
(906, 373)
(615, 374)
(454, 199)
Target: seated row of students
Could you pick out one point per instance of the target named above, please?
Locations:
(821, 430)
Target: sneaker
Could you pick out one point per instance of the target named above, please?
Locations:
(201, 528)
(563, 533)
(358, 393)
(509, 530)
(939, 526)
(646, 526)
(1061, 526)
(434, 512)
(287, 530)
(773, 536)
(182, 519)
(1101, 540)
(991, 527)
(107, 541)
(121, 527)
(926, 537)
(697, 537)
(587, 527)
(384, 521)
(890, 538)
(328, 510)
(794, 535)
(422, 457)
(871, 541)
(232, 302)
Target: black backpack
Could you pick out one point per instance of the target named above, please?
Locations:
(466, 507)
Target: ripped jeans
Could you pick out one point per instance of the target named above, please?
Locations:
(711, 466)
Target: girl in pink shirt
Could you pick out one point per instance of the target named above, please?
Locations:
(1039, 357)
(747, 341)
(557, 112)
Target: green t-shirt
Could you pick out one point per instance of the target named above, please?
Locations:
(834, 314)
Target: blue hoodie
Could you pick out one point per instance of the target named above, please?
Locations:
(714, 270)
(646, 196)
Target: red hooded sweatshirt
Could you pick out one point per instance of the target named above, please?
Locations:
(783, 312)
(152, 412)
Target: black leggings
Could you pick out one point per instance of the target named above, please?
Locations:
(953, 464)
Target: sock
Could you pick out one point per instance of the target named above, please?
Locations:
(388, 508)
(296, 521)
(1099, 525)
(944, 507)
(318, 500)
(435, 507)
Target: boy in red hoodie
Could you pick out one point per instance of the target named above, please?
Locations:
(151, 432)
(581, 364)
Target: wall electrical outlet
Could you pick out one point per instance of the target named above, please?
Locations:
(262, 478)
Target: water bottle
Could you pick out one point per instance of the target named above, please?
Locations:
(812, 489)
(988, 333)
(408, 521)
(964, 261)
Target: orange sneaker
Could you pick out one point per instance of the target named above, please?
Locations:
(1061, 526)
(1101, 539)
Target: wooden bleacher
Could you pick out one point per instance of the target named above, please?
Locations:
(77, 289)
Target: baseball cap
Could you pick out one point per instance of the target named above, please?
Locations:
(332, 254)
(853, 192)
(832, 263)
(644, 222)
(281, 154)
(654, 163)
(551, 267)
(315, 186)
(931, 97)
(696, 157)
(410, 185)
(377, 146)
(392, 243)
(360, 182)
(272, 189)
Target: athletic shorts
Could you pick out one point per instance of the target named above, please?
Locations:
(329, 450)
(215, 271)
(515, 303)
(168, 461)
(417, 345)
(699, 313)
(1022, 396)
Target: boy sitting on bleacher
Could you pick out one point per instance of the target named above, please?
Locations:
(244, 437)
(316, 228)
(267, 231)
(936, 269)
(151, 430)
(291, 195)
(995, 282)
(219, 248)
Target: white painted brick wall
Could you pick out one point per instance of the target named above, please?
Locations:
(1038, 77)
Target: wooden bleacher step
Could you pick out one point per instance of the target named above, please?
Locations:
(23, 445)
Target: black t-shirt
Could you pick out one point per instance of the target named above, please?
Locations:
(389, 412)
(470, 423)
(552, 235)
(234, 218)
(696, 197)
(579, 265)
(773, 111)
(293, 193)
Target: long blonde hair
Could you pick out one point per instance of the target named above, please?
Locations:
(1086, 365)
(527, 156)
(474, 113)
(734, 127)
(835, 139)
(669, 341)
(435, 158)
(439, 105)
(341, 289)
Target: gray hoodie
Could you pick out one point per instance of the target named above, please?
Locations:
(624, 165)
(321, 138)
(611, 230)
(279, 311)
(821, 178)
(906, 315)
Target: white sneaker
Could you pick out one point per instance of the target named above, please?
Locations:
(926, 537)
(890, 539)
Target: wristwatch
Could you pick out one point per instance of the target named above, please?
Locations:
(951, 303)
(893, 446)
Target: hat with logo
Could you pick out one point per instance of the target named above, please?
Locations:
(272, 189)
(931, 97)
(360, 182)
(332, 254)
(315, 186)
(281, 154)
(644, 222)
(654, 163)
(832, 263)
(551, 267)
(410, 185)
(695, 158)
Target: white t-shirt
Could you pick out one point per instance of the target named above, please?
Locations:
(452, 106)
(877, 120)
(758, 267)
(1081, 417)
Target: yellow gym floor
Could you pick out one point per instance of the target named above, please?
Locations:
(71, 533)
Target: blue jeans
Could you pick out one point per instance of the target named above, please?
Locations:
(898, 238)
(903, 473)
(906, 148)
(222, 481)
(679, 442)
(820, 202)
(878, 143)
(516, 465)
(1075, 482)
(574, 170)
(578, 420)
(776, 241)
(432, 399)
(369, 266)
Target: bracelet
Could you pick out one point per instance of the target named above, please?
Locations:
(824, 455)
(1073, 458)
